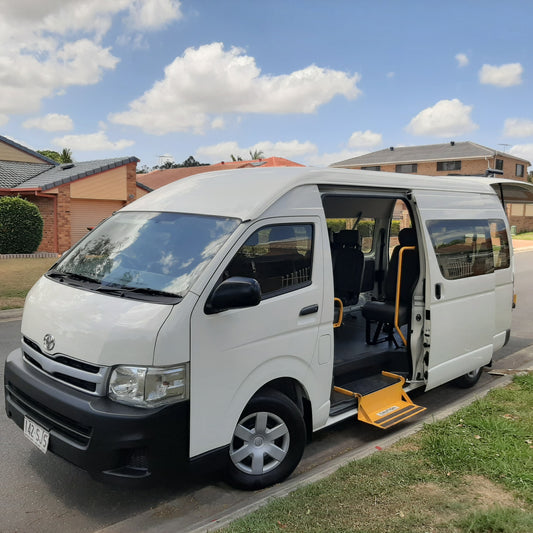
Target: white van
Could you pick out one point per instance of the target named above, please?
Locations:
(234, 313)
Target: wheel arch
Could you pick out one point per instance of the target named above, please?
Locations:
(296, 392)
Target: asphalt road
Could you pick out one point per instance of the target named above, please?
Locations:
(41, 493)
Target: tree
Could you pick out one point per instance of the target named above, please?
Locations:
(51, 154)
(257, 154)
(64, 157)
(530, 177)
(21, 226)
(238, 158)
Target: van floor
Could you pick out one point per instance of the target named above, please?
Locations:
(358, 366)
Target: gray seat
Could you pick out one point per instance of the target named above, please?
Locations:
(348, 264)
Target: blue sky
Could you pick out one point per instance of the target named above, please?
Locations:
(315, 81)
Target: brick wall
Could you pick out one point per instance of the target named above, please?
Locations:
(47, 210)
(63, 218)
(131, 182)
(469, 167)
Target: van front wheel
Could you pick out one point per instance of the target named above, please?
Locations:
(470, 379)
(267, 443)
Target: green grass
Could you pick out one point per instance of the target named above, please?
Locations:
(524, 236)
(17, 276)
(472, 472)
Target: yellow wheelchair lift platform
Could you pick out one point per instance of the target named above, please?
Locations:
(386, 406)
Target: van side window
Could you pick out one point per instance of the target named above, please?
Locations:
(279, 257)
(401, 219)
(365, 226)
(500, 244)
(463, 248)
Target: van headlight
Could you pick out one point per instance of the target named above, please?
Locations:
(143, 386)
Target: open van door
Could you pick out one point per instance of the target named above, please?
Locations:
(460, 285)
(469, 277)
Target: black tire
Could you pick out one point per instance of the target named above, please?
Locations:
(470, 379)
(267, 443)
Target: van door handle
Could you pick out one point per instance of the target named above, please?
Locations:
(438, 291)
(309, 310)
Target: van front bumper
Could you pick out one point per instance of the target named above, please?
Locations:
(105, 438)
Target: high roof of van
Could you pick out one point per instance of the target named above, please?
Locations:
(246, 193)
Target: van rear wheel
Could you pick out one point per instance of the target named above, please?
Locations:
(469, 379)
(267, 443)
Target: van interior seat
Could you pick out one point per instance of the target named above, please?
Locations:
(348, 263)
(383, 312)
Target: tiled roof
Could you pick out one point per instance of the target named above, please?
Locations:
(27, 150)
(58, 175)
(13, 173)
(159, 178)
(432, 152)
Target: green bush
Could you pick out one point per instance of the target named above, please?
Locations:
(21, 226)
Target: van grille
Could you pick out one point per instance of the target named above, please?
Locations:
(77, 374)
(68, 428)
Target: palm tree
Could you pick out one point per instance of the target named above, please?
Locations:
(257, 154)
(66, 156)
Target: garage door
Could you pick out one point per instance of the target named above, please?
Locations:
(88, 213)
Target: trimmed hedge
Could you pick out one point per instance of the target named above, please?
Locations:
(21, 226)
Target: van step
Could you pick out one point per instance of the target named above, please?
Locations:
(385, 406)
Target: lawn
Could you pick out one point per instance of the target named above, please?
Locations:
(472, 472)
(17, 277)
(524, 236)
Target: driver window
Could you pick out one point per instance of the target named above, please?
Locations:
(279, 257)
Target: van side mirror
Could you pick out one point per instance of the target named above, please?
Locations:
(234, 293)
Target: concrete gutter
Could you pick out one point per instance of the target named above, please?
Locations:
(210, 508)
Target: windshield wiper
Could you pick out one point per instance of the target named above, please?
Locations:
(70, 276)
(121, 290)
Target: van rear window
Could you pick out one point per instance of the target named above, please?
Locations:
(466, 248)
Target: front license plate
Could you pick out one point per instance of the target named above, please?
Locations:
(37, 434)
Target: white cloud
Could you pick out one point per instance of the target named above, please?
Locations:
(218, 123)
(462, 60)
(4, 119)
(210, 80)
(153, 14)
(391, 75)
(54, 44)
(502, 76)
(50, 122)
(293, 150)
(525, 151)
(518, 127)
(360, 139)
(447, 118)
(91, 142)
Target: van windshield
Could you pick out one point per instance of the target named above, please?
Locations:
(148, 256)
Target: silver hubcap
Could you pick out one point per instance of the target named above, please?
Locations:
(260, 443)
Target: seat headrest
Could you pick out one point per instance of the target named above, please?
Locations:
(407, 237)
(281, 233)
(347, 237)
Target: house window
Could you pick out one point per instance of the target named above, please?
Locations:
(408, 168)
(499, 164)
(520, 171)
(448, 165)
(371, 168)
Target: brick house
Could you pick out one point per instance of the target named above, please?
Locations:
(71, 197)
(158, 178)
(451, 159)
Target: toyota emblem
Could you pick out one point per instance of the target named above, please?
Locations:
(49, 342)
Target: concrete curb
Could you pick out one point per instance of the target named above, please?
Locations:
(522, 360)
(11, 314)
